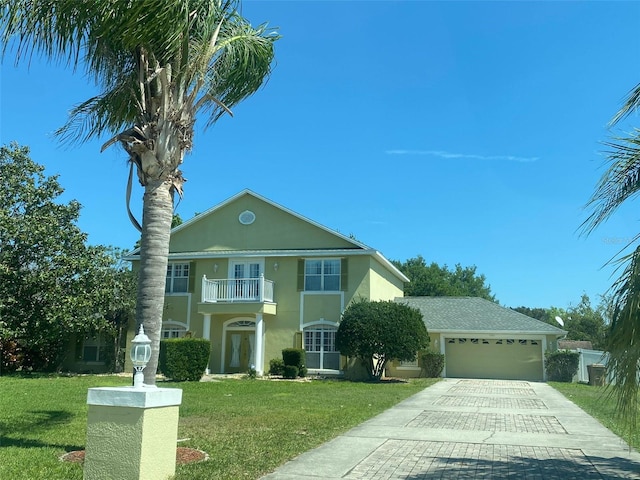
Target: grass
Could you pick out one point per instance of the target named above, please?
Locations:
(248, 427)
(600, 404)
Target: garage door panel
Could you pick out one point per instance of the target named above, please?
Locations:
(489, 358)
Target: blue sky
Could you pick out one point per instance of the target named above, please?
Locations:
(467, 132)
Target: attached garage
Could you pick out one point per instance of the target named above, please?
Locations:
(502, 358)
(481, 339)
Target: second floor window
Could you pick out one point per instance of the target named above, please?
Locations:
(322, 275)
(177, 278)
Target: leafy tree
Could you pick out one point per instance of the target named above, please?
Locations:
(435, 281)
(117, 305)
(541, 314)
(51, 283)
(377, 332)
(582, 322)
(158, 64)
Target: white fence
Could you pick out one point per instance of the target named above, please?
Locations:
(589, 357)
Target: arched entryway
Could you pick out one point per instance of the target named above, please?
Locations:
(239, 345)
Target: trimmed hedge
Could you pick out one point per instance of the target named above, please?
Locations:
(276, 366)
(290, 371)
(295, 357)
(184, 359)
(562, 365)
(432, 364)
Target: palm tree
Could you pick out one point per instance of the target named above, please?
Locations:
(158, 64)
(620, 182)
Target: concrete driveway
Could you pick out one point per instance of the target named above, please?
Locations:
(470, 429)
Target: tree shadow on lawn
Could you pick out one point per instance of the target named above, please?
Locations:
(580, 467)
(30, 443)
(32, 424)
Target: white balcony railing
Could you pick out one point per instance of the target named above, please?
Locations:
(237, 290)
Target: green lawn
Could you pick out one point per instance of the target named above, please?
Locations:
(248, 427)
(600, 404)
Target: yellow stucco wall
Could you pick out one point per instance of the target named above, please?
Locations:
(221, 230)
(133, 443)
(384, 284)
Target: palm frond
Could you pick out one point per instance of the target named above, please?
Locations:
(631, 105)
(54, 28)
(620, 182)
(204, 51)
(109, 112)
(241, 64)
(623, 341)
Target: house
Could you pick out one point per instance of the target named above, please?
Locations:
(481, 339)
(254, 277)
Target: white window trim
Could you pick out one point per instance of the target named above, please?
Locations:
(170, 291)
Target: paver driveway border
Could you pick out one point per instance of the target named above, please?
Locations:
(472, 429)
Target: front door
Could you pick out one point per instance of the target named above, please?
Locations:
(240, 351)
(246, 276)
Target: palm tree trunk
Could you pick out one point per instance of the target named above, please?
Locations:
(154, 254)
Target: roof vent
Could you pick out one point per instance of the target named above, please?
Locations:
(247, 217)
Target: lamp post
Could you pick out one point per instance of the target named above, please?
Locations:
(140, 355)
(132, 431)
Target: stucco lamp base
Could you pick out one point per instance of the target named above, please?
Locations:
(131, 433)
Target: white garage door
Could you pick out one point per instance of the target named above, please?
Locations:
(506, 359)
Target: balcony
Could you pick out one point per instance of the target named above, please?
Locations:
(237, 290)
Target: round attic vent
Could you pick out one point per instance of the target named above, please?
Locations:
(247, 217)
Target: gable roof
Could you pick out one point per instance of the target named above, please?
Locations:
(335, 243)
(249, 193)
(474, 314)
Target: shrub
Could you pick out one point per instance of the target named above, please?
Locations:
(294, 356)
(432, 364)
(290, 371)
(562, 365)
(11, 356)
(276, 366)
(297, 357)
(184, 358)
(252, 373)
(377, 332)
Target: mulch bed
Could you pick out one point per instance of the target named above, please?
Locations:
(184, 455)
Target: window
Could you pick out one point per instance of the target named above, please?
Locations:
(94, 348)
(177, 278)
(320, 348)
(409, 363)
(322, 275)
(173, 332)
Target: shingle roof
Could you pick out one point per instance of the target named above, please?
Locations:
(473, 314)
(574, 344)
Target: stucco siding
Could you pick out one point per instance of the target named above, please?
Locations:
(384, 284)
(221, 230)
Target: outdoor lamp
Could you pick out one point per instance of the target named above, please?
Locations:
(140, 355)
